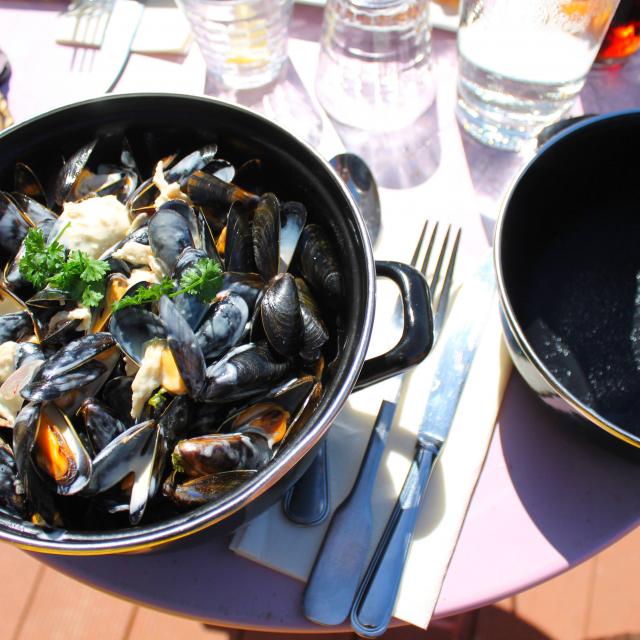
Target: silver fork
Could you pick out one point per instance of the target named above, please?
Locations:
(341, 561)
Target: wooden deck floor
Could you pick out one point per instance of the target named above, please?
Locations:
(599, 600)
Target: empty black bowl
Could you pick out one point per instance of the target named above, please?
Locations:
(567, 253)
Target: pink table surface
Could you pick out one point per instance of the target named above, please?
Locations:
(547, 498)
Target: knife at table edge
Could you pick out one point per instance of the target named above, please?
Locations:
(375, 600)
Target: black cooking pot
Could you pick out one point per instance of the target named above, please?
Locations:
(161, 124)
(567, 255)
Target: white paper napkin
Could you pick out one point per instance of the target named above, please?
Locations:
(279, 544)
(162, 30)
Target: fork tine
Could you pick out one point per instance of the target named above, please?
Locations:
(416, 253)
(427, 255)
(436, 272)
(443, 301)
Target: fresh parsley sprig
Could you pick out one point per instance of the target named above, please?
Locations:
(145, 295)
(77, 273)
(203, 280)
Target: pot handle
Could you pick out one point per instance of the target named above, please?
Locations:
(417, 334)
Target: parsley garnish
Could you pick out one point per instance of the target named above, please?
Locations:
(145, 295)
(40, 261)
(78, 274)
(157, 398)
(203, 280)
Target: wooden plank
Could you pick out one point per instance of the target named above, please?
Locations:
(20, 573)
(148, 623)
(559, 608)
(64, 609)
(615, 608)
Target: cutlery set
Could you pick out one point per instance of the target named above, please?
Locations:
(341, 584)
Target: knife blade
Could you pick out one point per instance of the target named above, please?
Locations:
(373, 605)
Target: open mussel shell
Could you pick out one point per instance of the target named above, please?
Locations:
(100, 425)
(195, 161)
(281, 316)
(207, 238)
(116, 287)
(303, 413)
(221, 169)
(15, 326)
(59, 453)
(293, 394)
(267, 419)
(293, 217)
(169, 235)
(223, 326)
(34, 213)
(45, 389)
(131, 453)
(184, 347)
(28, 352)
(26, 183)
(246, 371)
(71, 171)
(25, 429)
(208, 454)
(75, 354)
(185, 210)
(133, 327)
(13, 228)
(199, 491)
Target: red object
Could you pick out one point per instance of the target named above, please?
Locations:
(623, 36)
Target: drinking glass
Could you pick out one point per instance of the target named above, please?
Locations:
(521, 64)
(243, 42)
(374, 70)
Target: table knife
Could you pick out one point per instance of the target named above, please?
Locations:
(116, 46)
(338, 566)
(373, 605)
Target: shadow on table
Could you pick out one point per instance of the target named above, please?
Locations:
(491, 171)
(613, 88)
(285, 101)
(398, 159)
(580, 495)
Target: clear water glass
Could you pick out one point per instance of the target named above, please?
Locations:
(374, 70)
(522, 63)
(243, 42)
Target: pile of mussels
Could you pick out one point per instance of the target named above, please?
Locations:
(81, 444)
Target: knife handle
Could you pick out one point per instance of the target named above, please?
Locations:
(373, 605)
(342, 558)
(307, 502)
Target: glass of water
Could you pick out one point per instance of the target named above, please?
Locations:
(243, 42)
(374, 70)
(521, 64)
